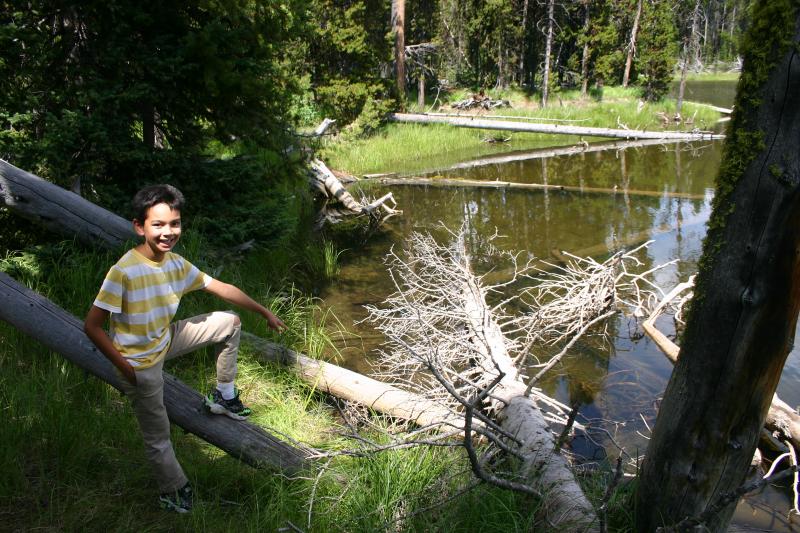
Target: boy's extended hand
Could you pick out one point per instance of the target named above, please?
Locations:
(274, 322)
(233, 294)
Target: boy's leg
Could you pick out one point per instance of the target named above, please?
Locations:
(147, 398)
(222, 328)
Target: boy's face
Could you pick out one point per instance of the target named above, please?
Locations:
(161, 230)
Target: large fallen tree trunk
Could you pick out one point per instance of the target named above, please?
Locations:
(444, 339)
(556, 129)
(61, 332)
(60, 210)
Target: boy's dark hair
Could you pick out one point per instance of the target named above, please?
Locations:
(154, 195)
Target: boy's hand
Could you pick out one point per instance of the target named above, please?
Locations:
(274, 322)
(129, 373)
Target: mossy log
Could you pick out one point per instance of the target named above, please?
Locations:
(62, 332)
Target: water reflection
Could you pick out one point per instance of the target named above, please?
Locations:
(658, 192)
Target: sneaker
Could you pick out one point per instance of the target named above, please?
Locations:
(232, 408)
(179, 501)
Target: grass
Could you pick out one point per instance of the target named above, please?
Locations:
(409, 148)
(72, 457)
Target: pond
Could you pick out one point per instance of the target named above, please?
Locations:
(661, 193)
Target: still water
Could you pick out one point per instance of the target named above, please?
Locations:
(661, 193)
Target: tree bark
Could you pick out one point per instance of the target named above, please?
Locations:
(547, 51)
(689, 44)
(585, 58)
(552, 128)
(632, 45)
(60, 210)
(748, 293)
(523, 43)
(61, 332)
(398, 26)
(421, 90)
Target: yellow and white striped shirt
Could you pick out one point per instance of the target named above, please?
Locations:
(142, 297)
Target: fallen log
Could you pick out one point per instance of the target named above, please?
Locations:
(322, 179)
(444, 340)
(556, 129)
(62, 332)
(352, 386)
(60, 210)
(544, 153)
(481, 184)
(781, 418)
(542, 466)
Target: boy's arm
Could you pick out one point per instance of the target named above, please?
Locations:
(93, 326)
(233, 294)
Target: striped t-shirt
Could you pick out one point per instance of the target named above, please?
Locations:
(142, 297)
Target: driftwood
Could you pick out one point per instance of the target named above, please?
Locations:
(480, 101)
(781, 418)
(60, 210)
(557, 129)
(481, 184)
(61, 332)
(546, 153)
(445, 340)
(323, 180)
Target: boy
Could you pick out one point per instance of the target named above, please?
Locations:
(140, 294)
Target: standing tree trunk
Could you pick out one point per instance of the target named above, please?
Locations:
(632, 45)
(421, 90)
(547, 49)
(398, 26)
(522, 45)
(585, 59)
(748, 295)
(689, 44)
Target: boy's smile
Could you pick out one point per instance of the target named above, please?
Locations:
(161, 230)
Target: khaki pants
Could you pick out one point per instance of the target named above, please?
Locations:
(221, 328)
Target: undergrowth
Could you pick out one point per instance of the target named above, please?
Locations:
(73, 459)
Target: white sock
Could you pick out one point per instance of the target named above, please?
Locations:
(226, 389)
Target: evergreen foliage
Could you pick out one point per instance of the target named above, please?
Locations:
(658, 49)
(113, 95)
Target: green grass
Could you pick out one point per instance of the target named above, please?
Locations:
(710, 76)
(409, 148)
(72, 458)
